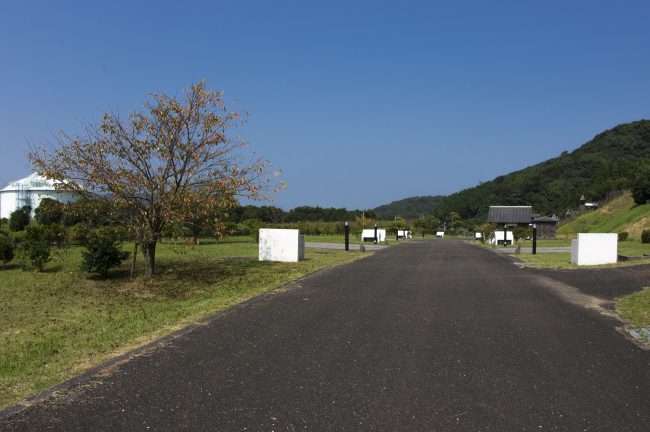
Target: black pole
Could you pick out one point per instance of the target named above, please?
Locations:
(505, 235)
(375, 233)
(534, 239)
(347, 237)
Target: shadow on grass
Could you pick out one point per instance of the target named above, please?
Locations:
(177, 279)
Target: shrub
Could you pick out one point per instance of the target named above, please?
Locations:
(49, 212)
(622, 236)
(252, 227)
(78, 234)
(645, 236)
(36, 246)
(103, 252)
(19, 219)
(6, 250)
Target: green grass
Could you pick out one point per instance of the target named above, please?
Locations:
(635, 308)
(546, 243)
(563, 260)
(621, 214)
(54, 325)
(633, 248)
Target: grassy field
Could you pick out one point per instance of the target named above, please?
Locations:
(620, 214)
(546, 243)
(635, 308)
(56, 324)
(563, 260)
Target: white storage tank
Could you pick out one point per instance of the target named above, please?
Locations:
(29, 192)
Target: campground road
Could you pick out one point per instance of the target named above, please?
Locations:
(427, 336)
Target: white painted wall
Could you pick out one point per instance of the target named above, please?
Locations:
(9, 200)
(594, 249)
(498, 237)
(370, 234)
(286, 245)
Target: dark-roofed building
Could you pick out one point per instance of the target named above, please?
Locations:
(546, 226)
(510, 215)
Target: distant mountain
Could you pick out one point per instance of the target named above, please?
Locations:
(408, 208)
(608, 162)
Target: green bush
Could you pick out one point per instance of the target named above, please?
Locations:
(36, 246)
(622, 236)
(6, 250)
(645, 236)
(49, 212)
(19, 219)
(103, 252)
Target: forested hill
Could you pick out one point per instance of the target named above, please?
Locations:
(607, 162)
(408, 208)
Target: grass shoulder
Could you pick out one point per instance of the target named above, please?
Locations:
(635, 310)
(58, 323)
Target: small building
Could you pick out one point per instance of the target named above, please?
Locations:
(586, 206)
(30, 191)
(546, 226)
(510, 216)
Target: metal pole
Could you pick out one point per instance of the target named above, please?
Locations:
(505, 235)
(534, 239)
(347, 237)
(375, 233)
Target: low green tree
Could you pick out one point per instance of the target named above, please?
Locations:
(6, 250)
(36, 246)
(19, 219)
(645, 236)
(641, 183)
(520, 233)
(103, 252)
(487, 231)
(49, 212)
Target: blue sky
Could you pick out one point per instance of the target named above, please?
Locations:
(358, 103)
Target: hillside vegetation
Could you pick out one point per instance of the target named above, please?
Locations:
(619, 215)
(408, 208)
(608, 162)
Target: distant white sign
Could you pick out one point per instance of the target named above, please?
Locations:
(285, 245)
(594, 249)
(369, 234)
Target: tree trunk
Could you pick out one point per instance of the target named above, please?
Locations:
(149, 251)
(135, 254)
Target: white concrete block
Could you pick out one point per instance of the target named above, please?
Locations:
(498, 237)
(594, 249)
(477, 235)
(369, 234)
(286, 245)
(404, 234)
(440, 234)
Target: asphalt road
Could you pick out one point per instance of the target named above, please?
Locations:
(429, 336)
